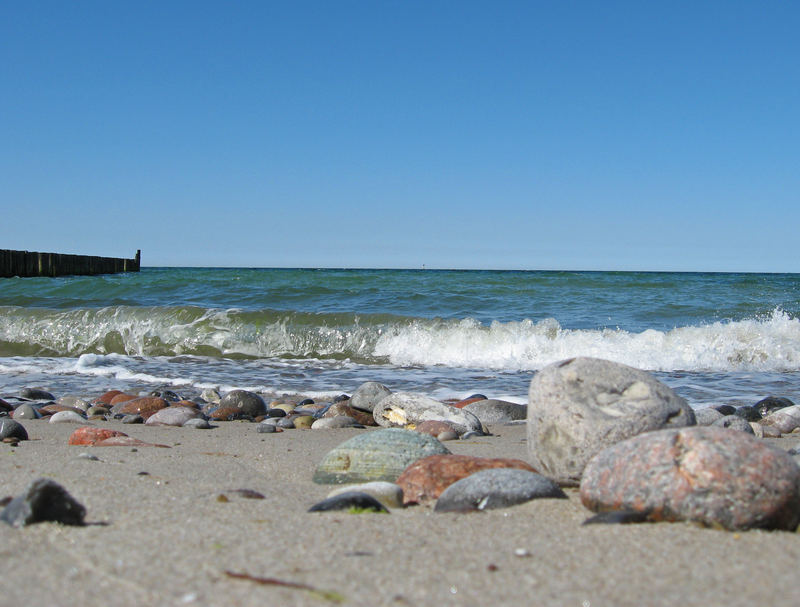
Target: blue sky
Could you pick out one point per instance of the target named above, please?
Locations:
(520, 135)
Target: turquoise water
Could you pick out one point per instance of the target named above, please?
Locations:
(713, 337)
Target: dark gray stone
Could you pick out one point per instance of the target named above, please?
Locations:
(772, 403)
(12, 429)
(493, 411)
(749, 414)
(26, 411)
(249, 403)
(133, 418)
(734, 422)
(368, 395)
(347, 500)
(43, 500)
(263, 428)
(36, 394)
(578, 407)
(496, 488)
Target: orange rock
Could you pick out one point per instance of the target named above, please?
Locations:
(467, 401)
(105, 399)
(50, 409)
(424, 480)
(121, 398)
(144, 406)
(89, 435)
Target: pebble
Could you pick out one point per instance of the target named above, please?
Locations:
(107, 397)
(74, 401)
(89, 456)
(67, 417)
(26, 411)
(388, 494)
(132, 419)
(493, 411)
(145, 406)
(368, 395)
(707, 416)
(303, 422)
(496, 488)
(197, 423)
(348, 500)
(424, 480)
(43, 500)
(402, 409)
(378, 455)
(172, 416)
(265, 428)
(90, 435)
(580, 406)
(10, 428)
(249, 403)
(341, 421)
(344, 409)
(704, 474)
(734, 422)
(772, 403)
(36, 394)
(786, 420)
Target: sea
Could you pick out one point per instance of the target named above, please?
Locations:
(715, 338)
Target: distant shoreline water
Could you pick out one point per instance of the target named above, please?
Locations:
(714, 337)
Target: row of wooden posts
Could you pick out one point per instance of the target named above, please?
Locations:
(32, 263)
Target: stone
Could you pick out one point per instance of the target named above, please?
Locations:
(4, 406)
(36, 394)
(263, 428)
(43, 500)
(493, 411)
(106, 398)
(435, 428)
(403, 409)
(460, 404)
(340, 421)
(75, 402)
(704, 474)
(121, 398)
(356, 500)
(388, 494)
(772, 403)
(145, 406)
(172, 416)
(785, 420)
(287, 423)
(424, 480)
(228, 413)
(580, 406)
(67, 417)
(197, 423)
(95, 410)
(496, 488)
(89, 435)
(303, 422)
(726, 409)
(377, 455)
(707, 416)
(249, 403)
(368, 395)
(132, 419)
(56, 408)
(10, 428)
(749, 414)
(167, 395)
(26, 411)
(343, 408)
(734, 422)
(210, 395)
(276, 413)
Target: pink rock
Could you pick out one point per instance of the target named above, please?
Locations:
(126, 441)
(711, 475)
(89, 435)
(144, 406)
(106, 398)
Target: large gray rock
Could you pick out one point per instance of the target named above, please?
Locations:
(12, 429)
(493, 411)
(580, 406)
(368, 395)
(402, 409)
(249, 403)
(710, 475)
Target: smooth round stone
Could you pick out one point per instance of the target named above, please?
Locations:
(707, 416)
(285, 407)
(276, 412)
(493, 411)
(749, 414)
(10, 428)
(446, 435)
(74, 401)
(303, 422)
(167, 395)
(379, 455)
(144, 406)
(734, 422)
(287, 423)
(305, 401)
(726, 409)
(88, 456)
(772, 403)
(342, 421)
(785, 420)
(263, 428)
(496, 488)
(348, 500)
(368, 395)
(26, 411)
(198, 423)
(249, 403)
(172, 416)
(705, 474)
(36, 394)
(132, 419)
(402, 409)
(67, 417)
(388, 494)
(95, 410)
(270, 421)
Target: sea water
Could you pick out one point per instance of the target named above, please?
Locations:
(713, 337)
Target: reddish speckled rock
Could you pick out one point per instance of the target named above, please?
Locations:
(706, 474)
(121, 398)
(343, 409)
(89, 435)
(106, 398)
(225, 414)
(424, 480)
(50, 409)
(145, 406)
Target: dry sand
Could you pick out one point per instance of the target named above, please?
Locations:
(164, 538)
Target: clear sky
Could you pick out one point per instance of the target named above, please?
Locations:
(454, 134)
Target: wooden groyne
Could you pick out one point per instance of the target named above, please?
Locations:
(32, 263)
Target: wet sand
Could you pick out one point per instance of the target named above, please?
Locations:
(166, 537)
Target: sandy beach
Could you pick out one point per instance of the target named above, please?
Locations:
(160, 534)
